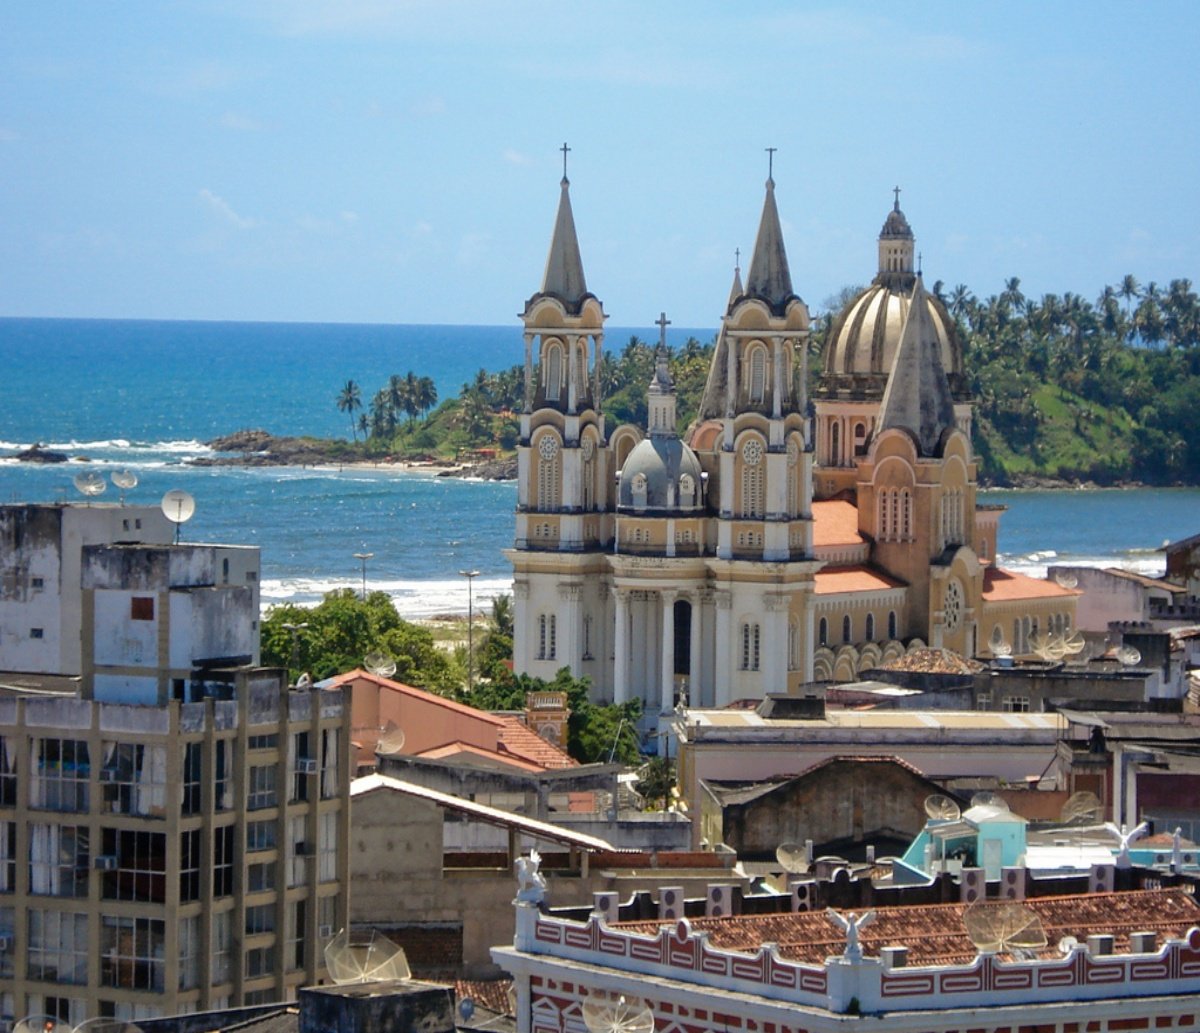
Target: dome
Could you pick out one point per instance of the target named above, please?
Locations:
(661, 474)
(862, 343)
(896, 225)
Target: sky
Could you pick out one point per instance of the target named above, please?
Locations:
(397, 161)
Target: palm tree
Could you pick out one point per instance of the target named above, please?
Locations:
(426, 394)
(411, 407)
(348, 400)
(396, 391)
(1128, 289)
(960, 300)
(1011, 295)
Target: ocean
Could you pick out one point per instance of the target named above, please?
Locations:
(146, 395)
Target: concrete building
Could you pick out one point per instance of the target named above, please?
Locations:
(170, 858)
(41, 554)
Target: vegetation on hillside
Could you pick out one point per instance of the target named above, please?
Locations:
(1065, 388)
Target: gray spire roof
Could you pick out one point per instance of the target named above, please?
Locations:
(769, 277)
(736, 291)
(661, 383)
(917, 397)
(564, 266)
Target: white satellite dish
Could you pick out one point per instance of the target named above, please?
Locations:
(792, 858)
(984, 798)
(372, 958)
(605, 1012)
(178, 507)
(380, 664)
(124, 480)
(89, 484)
(1066, 580)
(1004, 927)
(391, 739)
(37, 1024)
(1082, 808)
(1129, 656)
(939, 807)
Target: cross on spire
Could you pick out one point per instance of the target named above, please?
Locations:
(918, 263)
(565, 150)
(895, 190)
(737, 258)
(770, 161)
(662, 323)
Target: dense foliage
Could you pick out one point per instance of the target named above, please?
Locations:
(1064, 388)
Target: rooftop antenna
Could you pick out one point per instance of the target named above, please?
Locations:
(89, 484)
(1000, 647)
(609, 1012)
(379, 664)
(1066, 580)
(1129, 656)
(391, 739)
(37, 1024)
(178, 507)
(1004, 927)
(792, 858)
(939, 807)
(365, 961)
(124, 480)
(1082, 808)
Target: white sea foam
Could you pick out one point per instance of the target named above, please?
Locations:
(412, 598)
(1150, 563)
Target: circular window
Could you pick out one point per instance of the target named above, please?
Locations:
(687, 485)
(639, 484)
(548, 447)
(952, 604)
(752, 452)
(588, 448)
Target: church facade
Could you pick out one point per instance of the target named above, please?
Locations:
(778, 539)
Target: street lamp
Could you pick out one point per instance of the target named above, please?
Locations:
(294, 630)
(470, 575)
(364, 556)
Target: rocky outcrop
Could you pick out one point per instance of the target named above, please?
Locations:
(38, 454)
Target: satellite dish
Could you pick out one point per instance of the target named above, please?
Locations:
(1129, 656)
(89, 484)
(939, 807)
(605, 1012)
(122, 479)
(178, 507)
(988, 799)
(380, 664)
(1004, 927)
(999, 646)
(100, 1024)
(1066, 580)
(365, 961)
(391, 739)
(36, 1024)
(1074, 644)
(1067, 944)
(304, 681)
(1082, 808)
(792, 858)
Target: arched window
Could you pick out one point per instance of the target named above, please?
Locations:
(793, 646)
(549, 473)
(823, 632)
(860, 439)
(750, 643)
(835, 444)
(892, 624)
(753, 481)
(905, 529)
(553, 372)
(847, 629)
(758, 373)
(869, 634)
(546, 637)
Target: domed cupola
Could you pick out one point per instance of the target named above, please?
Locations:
(862, 343)
(661, 475)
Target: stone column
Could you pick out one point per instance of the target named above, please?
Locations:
(694, 639)
(597, 366)
(774, 646)
(723, 667)
(730, 375)
(667, 676)
(621, 652)
(777, 378)
(522, 627)
(529, 372)
(569, 596)
(572, 371)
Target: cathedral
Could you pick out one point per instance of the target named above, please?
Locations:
(779, 539)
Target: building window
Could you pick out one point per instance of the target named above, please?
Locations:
(260, 835)
(190, 953)
(869, 631)
(758, 374)
(58, 860)
(296, 933)
(193, 773)
(793, 646)
(134, 779)
(892, 624)
(299, 759)
(260, 793)
(8, 774)
(327, 846)
(260, 877)
(260, 918)
(36, 633)
(223, 861)
(547, 637)
(61, 770)
(132, 953)
(299, 850)
(330, 778)
(1015, 704)
(326, 919)
(587, 638)
(223, 776)
(58, 947)
(222, 948)
(260, 961)
(189, 865)
(835, 444)
(137, 865)
(8, 858)
(823, 632)
(263, 742)
(983, 701)
(141, 608)
(553, 372)
(8, 951)
(751, 634)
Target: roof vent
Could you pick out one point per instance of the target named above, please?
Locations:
(1100, 944)
(894, 957)
(1143, 943)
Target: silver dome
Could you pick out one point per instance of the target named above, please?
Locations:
(662, 475)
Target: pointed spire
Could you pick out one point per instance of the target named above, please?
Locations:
(564, 266)
(917, 397)
(769, 277)
(736, 291)
(660, 395)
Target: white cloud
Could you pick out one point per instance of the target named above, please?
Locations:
(514, 157)
(429, 107)
(240, 123)
(224, 210)
(422, 228)
(472, 248)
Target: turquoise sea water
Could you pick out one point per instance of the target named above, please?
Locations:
(146, 395)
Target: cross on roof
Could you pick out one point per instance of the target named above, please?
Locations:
(770, 161)
(662, 323)
(737, 258)
(565, 149)
(895, 190)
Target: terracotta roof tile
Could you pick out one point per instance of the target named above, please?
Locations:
(1004, 585)
(457, 749)
(838, 580)
(519, 739)
(409, 690)
(935, 934)
(835, 522)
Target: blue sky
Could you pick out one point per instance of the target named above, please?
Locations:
(380, 161)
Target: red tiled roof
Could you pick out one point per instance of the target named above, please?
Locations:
(705, 435)
(519, 739)
(412, 691)
(935, 934)
(1004, 585)
(835, 522)
(837, 580)
(456, 749)
(1147, 582)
